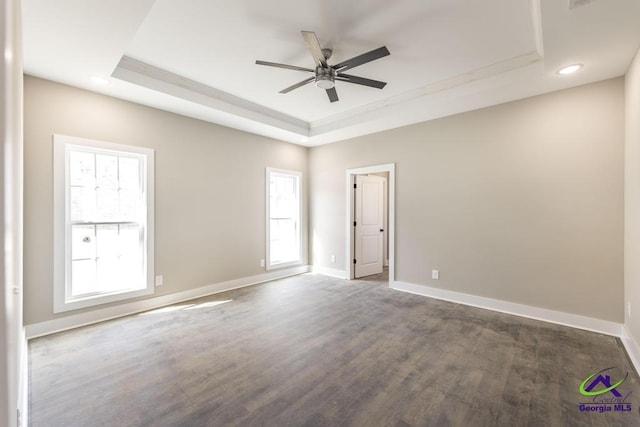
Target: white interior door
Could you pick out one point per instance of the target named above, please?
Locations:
(368, 220)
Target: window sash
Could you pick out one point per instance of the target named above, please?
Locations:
(124, 266)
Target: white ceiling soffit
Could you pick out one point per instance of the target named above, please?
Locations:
(197, 57)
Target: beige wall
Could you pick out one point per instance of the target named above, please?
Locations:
(210, 185)
(520, 202)
(632, 199)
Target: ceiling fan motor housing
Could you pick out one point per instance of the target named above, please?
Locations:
(325, 77)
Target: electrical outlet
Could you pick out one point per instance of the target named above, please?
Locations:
(435, 274)
(333, 258)
(262, 263)
(159, 280)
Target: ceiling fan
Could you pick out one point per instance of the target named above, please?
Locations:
(325, 75)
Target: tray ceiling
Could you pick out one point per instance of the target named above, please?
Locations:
(197, 57)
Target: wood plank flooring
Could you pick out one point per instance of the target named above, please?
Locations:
(316, 351)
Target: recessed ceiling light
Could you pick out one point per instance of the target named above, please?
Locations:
(99, 80)
(569, 69)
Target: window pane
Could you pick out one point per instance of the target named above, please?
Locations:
(119, 257)
(132, 255)
(284, 241)
(83, 244)
(283, 196)
(107, 204)
(108, 275)
(82, 176)
(83, 260)
(130, 205)
(107, 246)
(82, 169)
(107, 197)
(130, 189)
(83, 277)
(129, 173)
(83, 203)
(107, 171)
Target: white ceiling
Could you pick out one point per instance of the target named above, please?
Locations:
(197, 57)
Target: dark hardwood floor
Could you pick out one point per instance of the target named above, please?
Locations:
(316, 351)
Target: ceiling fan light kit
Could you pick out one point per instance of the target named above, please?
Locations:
(325, 78)
(325, 75)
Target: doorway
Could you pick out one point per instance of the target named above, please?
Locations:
(368, 240)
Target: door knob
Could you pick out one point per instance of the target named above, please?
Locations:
(381, 230)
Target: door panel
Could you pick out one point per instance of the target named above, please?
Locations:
(368, 234)
(370, 253)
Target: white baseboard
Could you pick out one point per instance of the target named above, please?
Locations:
(101, 314)
(331, 272)
(537, 313)
(23, 387)
(631, 345)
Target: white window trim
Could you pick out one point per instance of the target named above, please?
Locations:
(62, 244)
(268, 264)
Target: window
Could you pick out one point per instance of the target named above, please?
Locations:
(284, 230)
(103, 214)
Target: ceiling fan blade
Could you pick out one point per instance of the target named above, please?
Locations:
(314, 47)
(333, 95)
(297, 85)
(290, 67)
(362, 59)
(360, 80)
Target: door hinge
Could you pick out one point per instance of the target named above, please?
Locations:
(355, 186)
(354, 260)
(354, 223)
